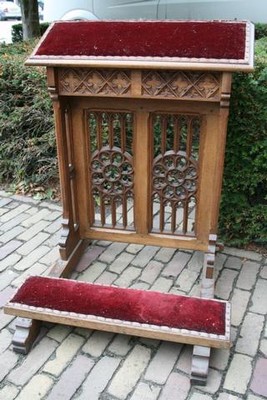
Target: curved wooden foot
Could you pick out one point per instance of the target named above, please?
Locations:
(200, 365)
(26, 332)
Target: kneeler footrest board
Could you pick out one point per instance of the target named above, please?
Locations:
(156, 315)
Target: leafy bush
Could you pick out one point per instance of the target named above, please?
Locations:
(260, 31)
(243, 214)
(27, 143)
(17, 34)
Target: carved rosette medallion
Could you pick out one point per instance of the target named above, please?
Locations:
(174, 177)
(171, 84)
(81, 81)
(112, 172)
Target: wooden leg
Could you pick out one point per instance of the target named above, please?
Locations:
(207, 284)
(201, 354)
(61, 268)
(68, 240)
(200, 365)
(26, 332)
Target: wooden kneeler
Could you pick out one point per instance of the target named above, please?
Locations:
(182, 319)
(141, 120)
(151, 314)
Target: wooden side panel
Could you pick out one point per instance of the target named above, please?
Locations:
(81, 162)
(69, 235)
(222, 133)
(212, 161)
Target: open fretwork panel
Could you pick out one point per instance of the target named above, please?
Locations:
(171, 172)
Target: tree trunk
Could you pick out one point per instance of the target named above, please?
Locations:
(30, 19)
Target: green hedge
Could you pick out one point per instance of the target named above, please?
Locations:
(17, 35)
(27, 143)
(243, 214)
(260, 31)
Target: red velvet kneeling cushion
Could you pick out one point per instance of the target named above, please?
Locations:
(148, 307)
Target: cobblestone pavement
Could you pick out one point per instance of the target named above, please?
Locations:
(73, 363)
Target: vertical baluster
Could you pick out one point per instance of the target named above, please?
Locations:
(189, 137)
(152, 212)
(110, 120)
(176, 134)
(99, 120)
(95, 194)
(185, 216)
(173, 216)
(102, 209)
(122, 119)
(163, 133)
(124, 210)
(192, 202)
(113, 212)
(161, 216)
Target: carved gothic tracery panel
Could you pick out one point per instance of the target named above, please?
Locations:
(180, 84)
(191, 85)
(83, 81)
(175, 172)
(111, 168)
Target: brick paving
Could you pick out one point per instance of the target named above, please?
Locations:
(74, 363)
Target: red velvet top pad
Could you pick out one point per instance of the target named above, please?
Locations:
(124, 304)
(202, 39)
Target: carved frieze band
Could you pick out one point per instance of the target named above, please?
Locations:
(181, 84)
(149, 84)
(82, 81)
